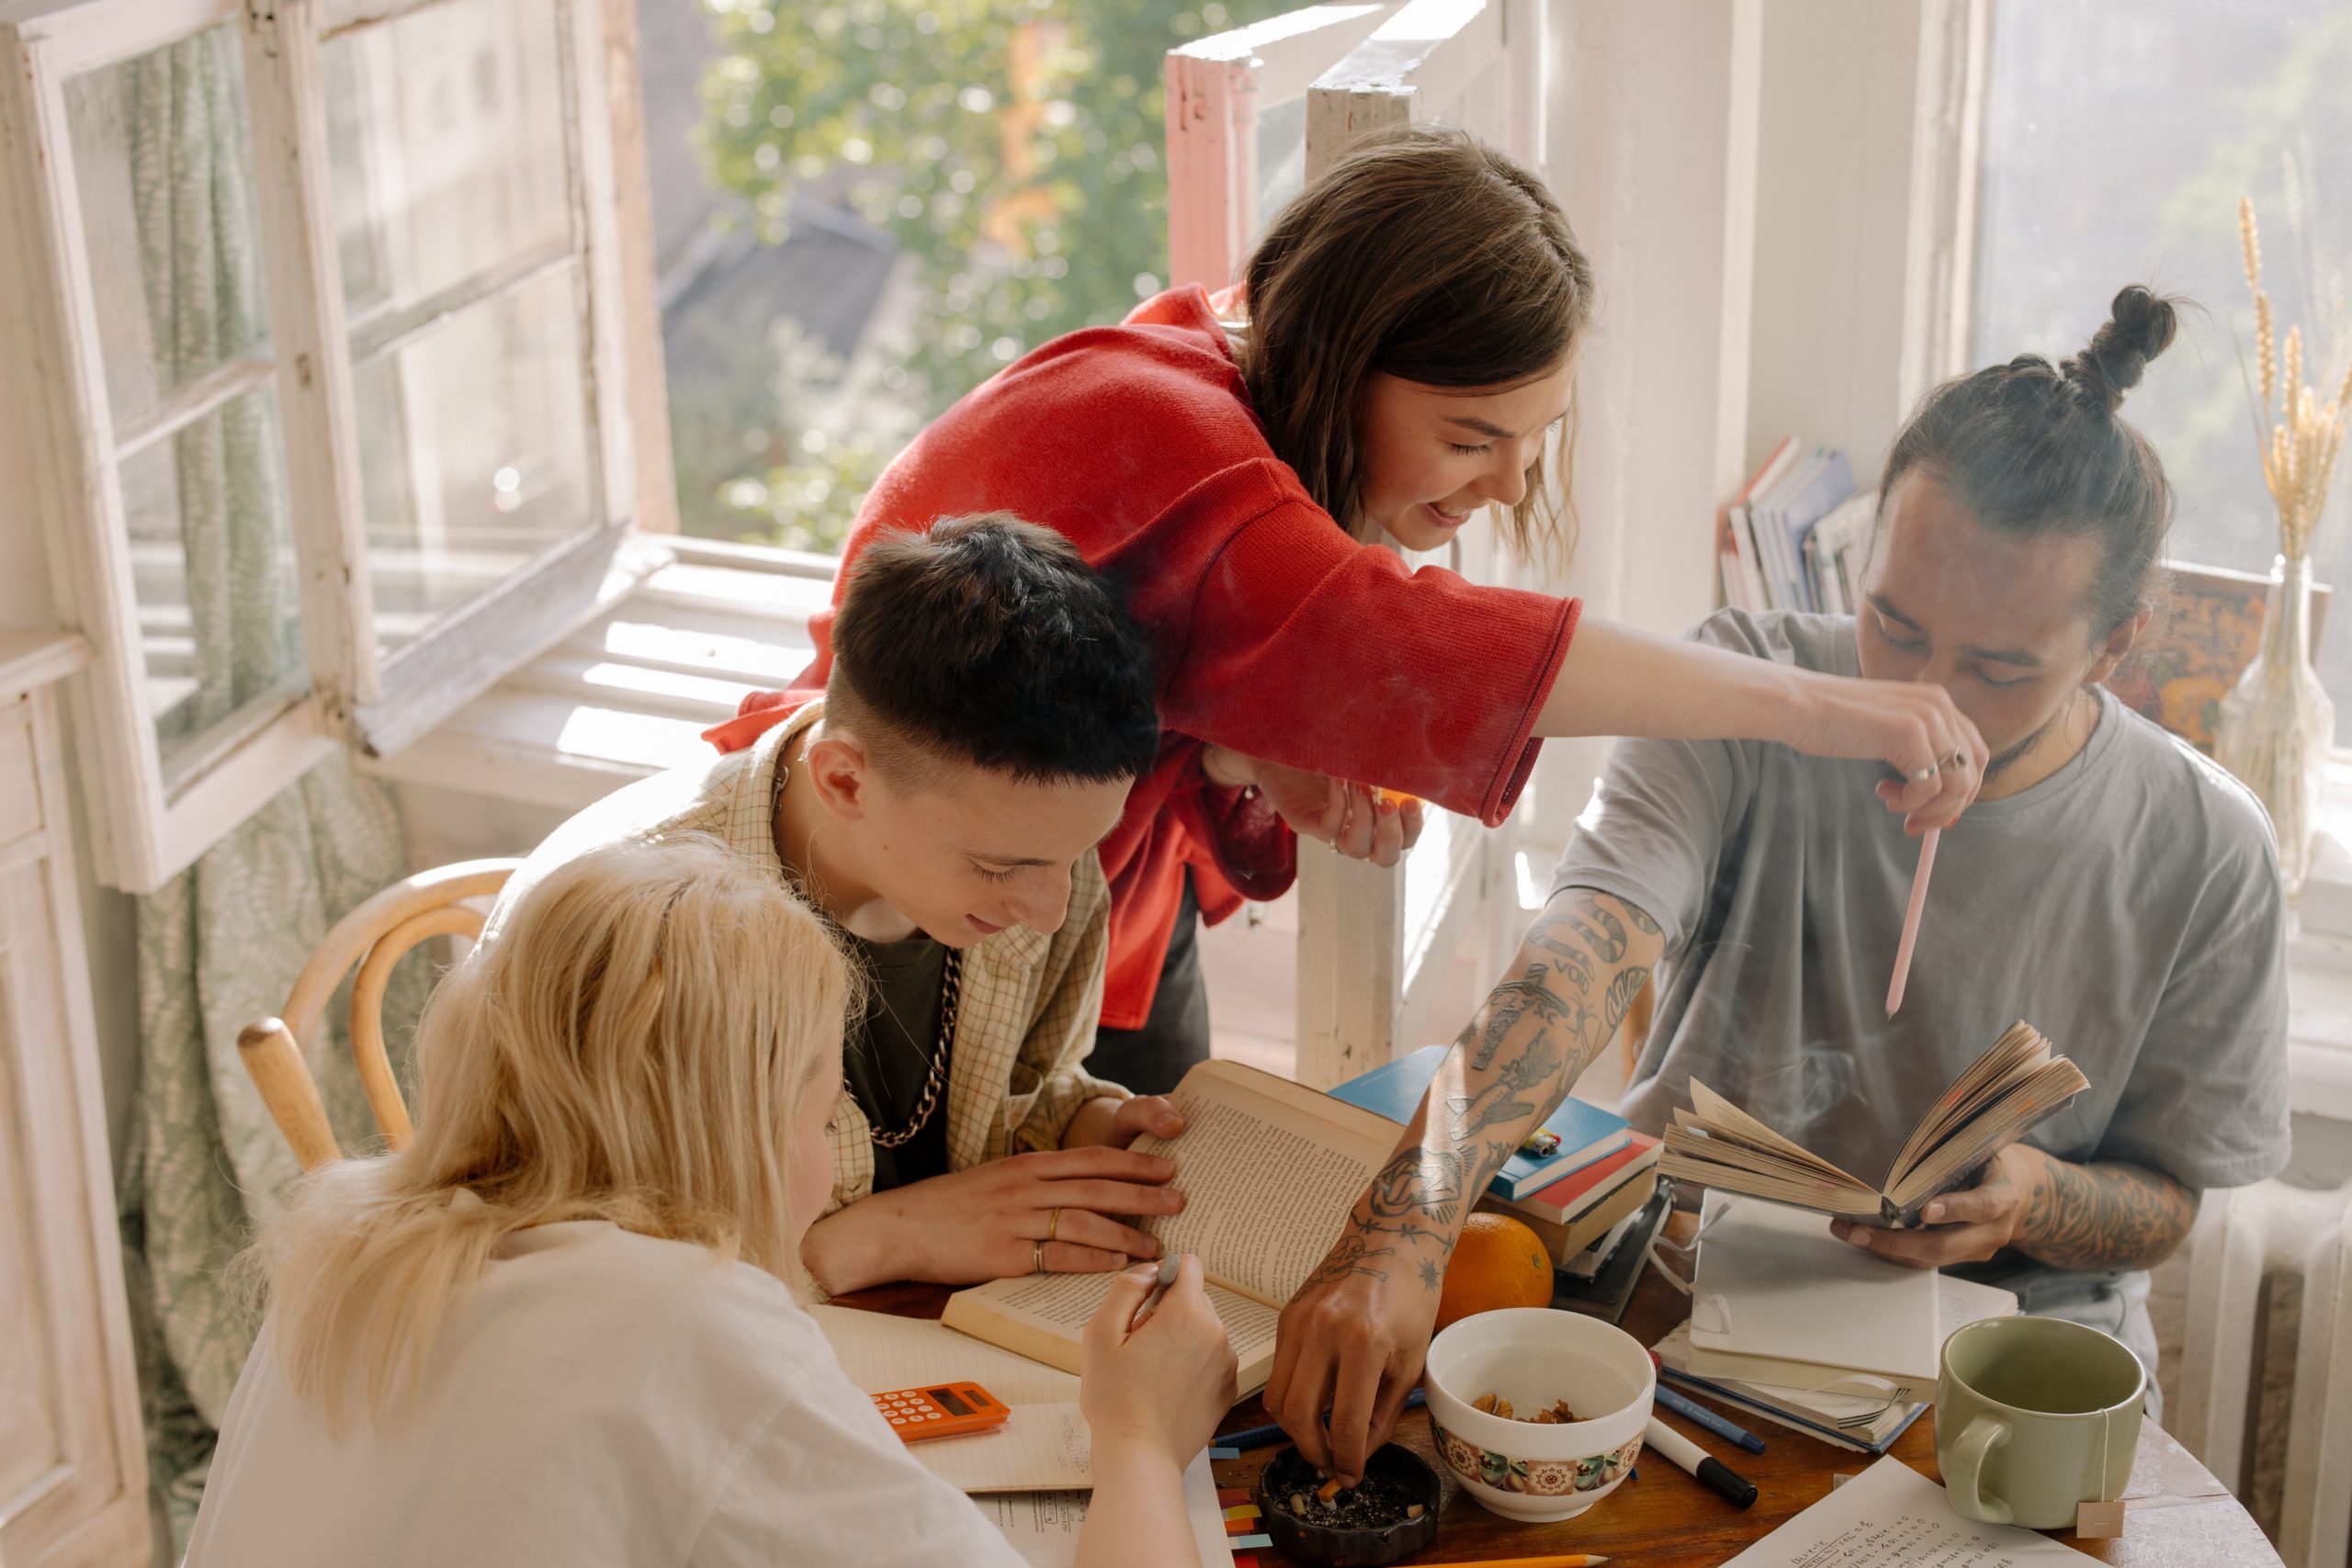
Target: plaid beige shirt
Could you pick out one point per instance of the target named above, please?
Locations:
(1025, 1021)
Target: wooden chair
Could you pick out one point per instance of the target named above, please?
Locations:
(375, 936)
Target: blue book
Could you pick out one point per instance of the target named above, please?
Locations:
(1586, 1133)
(1805, 502)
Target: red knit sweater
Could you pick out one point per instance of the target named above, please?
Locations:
(1272, 631)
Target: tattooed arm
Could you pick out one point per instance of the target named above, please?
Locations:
(2106, 1214)
(1351, 1340)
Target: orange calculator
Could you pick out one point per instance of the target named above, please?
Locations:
(950, 1410)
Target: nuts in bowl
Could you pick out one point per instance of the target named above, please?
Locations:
(1534, 1361)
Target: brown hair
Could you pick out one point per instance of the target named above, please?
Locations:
(2029, 449)
(990, 640)
(1429, 256)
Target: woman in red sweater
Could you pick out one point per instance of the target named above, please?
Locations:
(1406, 361)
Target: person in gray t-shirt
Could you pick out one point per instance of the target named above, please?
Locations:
(2108, 885)
(2111, 886)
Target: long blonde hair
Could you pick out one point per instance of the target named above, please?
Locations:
(634, 1048)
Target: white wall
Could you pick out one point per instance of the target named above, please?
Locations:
(1832, 220)
(1651, 146)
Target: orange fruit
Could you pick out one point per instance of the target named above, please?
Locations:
(1497, 1263)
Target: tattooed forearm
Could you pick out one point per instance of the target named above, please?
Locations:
(1507, 1097)
(1588, 957)
(2107, 1216)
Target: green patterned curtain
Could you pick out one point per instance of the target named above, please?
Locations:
(219, 945)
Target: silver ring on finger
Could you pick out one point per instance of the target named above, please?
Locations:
(1924, 774)
(1036, 1258)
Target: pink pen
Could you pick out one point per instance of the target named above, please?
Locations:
(1911, 920)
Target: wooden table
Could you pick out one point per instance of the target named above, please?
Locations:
(2174, 1513)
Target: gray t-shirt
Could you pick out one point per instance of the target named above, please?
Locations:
(2127, 907)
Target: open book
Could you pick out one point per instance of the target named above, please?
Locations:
(2005, 1091)
(1269, 1170)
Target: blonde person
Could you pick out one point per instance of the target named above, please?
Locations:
(989, 704)
(561, 1327)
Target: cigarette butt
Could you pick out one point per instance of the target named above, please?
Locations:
(1327, 1491)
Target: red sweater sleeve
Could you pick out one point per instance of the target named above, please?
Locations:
(1310, 650)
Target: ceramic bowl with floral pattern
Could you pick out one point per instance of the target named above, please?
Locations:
(1532, 1356)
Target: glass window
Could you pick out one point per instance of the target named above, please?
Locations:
(863, 209)
(453, 221)
(162, 154)
(2118, 140)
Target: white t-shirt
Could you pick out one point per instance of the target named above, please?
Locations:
(599, 1397)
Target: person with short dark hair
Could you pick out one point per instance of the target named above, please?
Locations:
(989, 706)
(2111, 886)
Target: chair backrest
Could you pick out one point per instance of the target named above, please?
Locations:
(375, 936)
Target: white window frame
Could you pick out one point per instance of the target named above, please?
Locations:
(1217, 89)
(146, 830)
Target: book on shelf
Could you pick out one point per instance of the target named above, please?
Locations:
(1766, 551)
(1270, 1171)
(1586, 1133)
(1741, 564)
(2018, 1080)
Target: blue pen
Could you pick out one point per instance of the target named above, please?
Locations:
(1690, 1410)
(1272, 1432)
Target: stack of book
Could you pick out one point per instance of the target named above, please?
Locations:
(1598, 1176)
(1794, 536)
(1798, 1326)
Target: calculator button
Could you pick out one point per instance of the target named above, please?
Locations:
(895, 1422)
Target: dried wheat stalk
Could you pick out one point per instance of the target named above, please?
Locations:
(2304, 434)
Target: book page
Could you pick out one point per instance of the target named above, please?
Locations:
(1719, 1117)
(1266, 1187)
(2044, 1092)
(1042, 1447)
(1043, 1526)
(1891, 1517)
(2005, 1063)
(882, 1354)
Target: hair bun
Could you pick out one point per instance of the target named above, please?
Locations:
(2140, 325)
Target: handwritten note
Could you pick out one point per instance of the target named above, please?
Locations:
(1041, 1447)
(1891, 1517)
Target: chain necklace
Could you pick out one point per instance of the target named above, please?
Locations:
(950, 989)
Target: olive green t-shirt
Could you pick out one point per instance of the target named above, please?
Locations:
(887, 1056)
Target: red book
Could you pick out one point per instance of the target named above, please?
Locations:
(1574, 1193)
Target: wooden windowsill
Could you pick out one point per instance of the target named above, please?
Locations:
(630, 694)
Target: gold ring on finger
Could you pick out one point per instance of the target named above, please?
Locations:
(1053, 1223)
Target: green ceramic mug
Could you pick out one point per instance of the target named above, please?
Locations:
(2035, 1417)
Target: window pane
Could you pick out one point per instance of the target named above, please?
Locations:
(445, 133)
(213, 568)
(162, 158)
(2116, 141)
(473, 452)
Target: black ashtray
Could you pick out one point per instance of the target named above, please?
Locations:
(1370, 1529)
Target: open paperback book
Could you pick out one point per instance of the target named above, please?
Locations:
(1269, 1170)
(2006, 1091)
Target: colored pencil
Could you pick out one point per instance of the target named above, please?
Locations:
(1911, 921)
